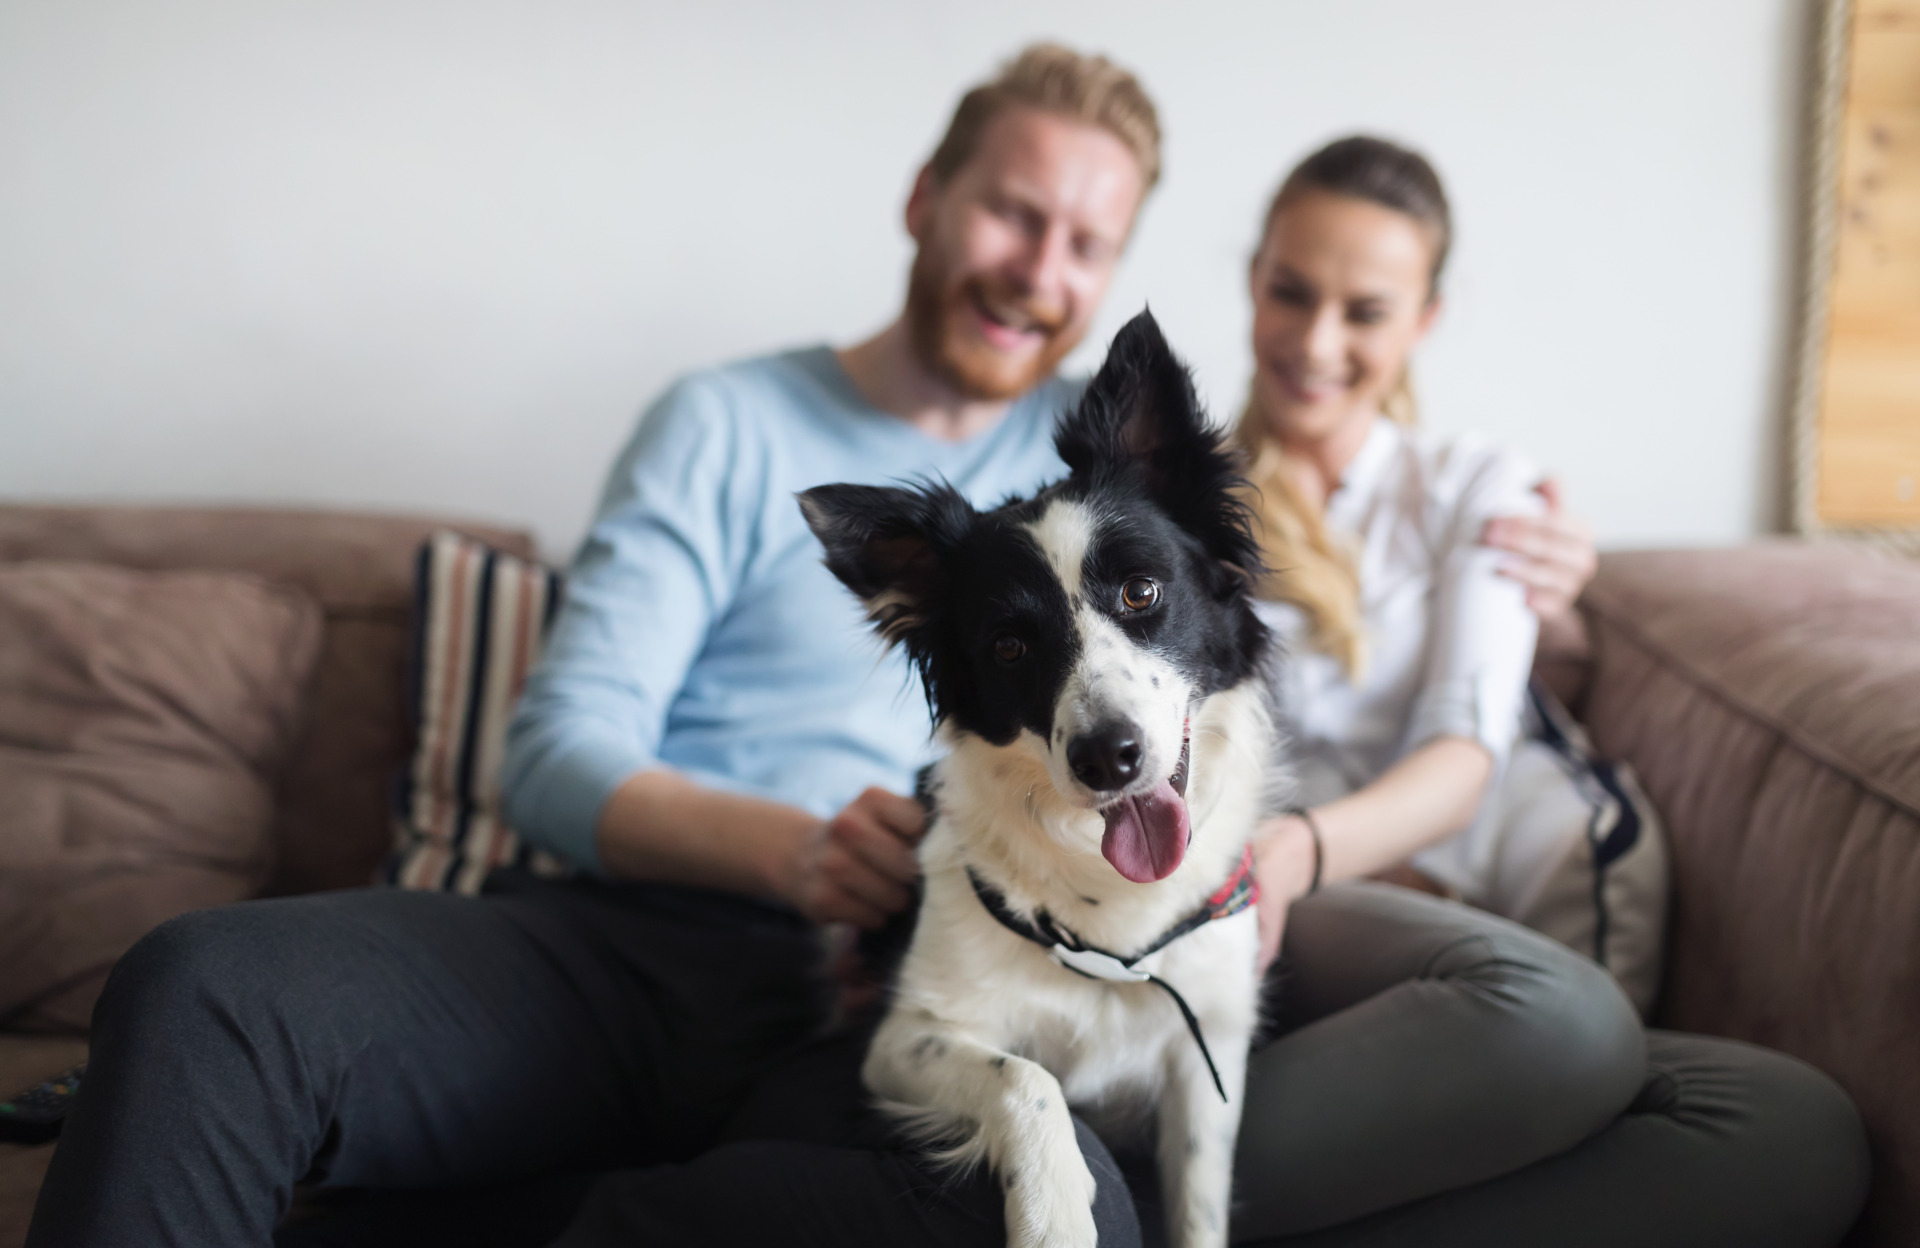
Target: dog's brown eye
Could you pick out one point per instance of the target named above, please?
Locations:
(1139, 593)
(1008, 648)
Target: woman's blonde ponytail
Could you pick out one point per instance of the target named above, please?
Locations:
(1306, 565)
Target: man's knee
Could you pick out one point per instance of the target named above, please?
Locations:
(1113, 1212)
(200, 964)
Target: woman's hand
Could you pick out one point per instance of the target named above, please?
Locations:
(859, 866)
(1553, 556)
(1283, 857)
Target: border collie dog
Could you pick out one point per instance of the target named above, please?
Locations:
(1092, 661)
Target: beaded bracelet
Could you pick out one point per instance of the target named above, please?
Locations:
(1319, 846)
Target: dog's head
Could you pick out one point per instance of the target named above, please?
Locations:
(1080, 626)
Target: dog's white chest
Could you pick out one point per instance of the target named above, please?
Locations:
(1104, 1028)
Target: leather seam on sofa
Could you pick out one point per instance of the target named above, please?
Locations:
(1706, 683)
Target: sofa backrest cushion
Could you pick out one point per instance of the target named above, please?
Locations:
(144, 718)
(1818, 641)
(333, 802)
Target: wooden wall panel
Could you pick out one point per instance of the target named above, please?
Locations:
(1869, 411)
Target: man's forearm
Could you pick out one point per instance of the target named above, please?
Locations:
(659, 825)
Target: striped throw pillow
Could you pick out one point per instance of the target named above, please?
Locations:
(480, 616)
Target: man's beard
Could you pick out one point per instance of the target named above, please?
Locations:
(936, 311)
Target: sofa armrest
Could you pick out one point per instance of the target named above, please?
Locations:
(1769, 697)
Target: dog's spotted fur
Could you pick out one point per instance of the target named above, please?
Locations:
(989, 1041)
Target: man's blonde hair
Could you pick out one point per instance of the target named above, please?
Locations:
(1056, 79)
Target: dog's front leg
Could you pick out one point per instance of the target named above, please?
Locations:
(1197, 1135)
(1013, 1110)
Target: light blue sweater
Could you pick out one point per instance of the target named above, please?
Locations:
(700, 630)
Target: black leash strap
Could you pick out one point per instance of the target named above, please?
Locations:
(1193, 1025)
(1047, 933)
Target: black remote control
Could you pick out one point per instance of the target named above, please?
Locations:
(35, 1115)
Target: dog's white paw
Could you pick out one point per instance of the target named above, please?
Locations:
(1050, 1206)
(1203, 1232)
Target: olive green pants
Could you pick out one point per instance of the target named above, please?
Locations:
(1444, 1077)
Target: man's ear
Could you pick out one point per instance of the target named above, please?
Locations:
(886, 545)
(921, 201)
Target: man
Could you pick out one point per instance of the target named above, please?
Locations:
(712, 738)
(631, 752)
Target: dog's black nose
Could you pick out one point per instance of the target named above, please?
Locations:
(1107, 758)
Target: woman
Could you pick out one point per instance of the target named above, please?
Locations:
(1443, 1076)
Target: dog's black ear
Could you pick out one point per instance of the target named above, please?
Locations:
(1137, 408)
(886, 543)
(1140, 416)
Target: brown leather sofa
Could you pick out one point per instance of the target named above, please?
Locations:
(331, 819)
(1769, 697)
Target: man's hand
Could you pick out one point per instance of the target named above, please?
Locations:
(1553, 556)
(856, 867)
(1283, 865)
(859, 866)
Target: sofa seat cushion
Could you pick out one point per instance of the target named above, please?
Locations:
(24, 1062)
(144, 717)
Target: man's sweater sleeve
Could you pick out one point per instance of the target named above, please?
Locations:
(658, 566)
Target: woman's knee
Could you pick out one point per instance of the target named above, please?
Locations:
(1773, 1137)
(1566, 1031)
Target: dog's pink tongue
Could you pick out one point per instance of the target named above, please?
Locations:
(1147, 835)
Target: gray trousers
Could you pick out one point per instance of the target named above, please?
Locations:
(1446, 1077)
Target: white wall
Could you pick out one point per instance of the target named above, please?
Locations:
(433, 254)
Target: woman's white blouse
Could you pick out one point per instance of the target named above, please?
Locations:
(1449, 641)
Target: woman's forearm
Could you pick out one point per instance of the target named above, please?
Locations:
(1425, 797)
